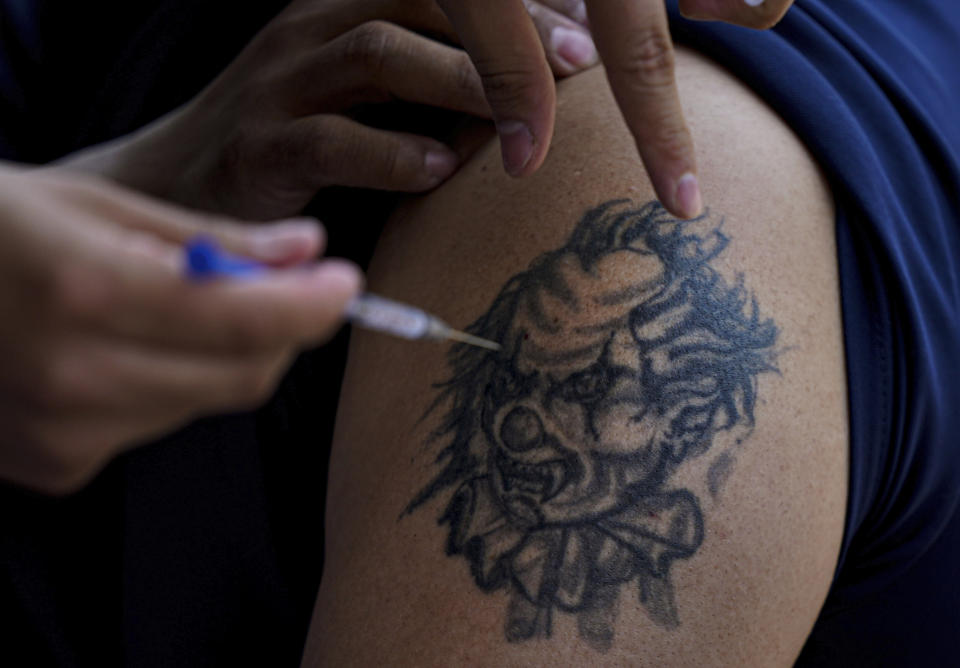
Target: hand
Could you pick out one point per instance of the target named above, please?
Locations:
(104, 344)
(633, 39)
(276, 126)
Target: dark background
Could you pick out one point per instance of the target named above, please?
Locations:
(205, 547)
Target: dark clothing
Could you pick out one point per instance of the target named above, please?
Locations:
(206, 548)
(873, 88)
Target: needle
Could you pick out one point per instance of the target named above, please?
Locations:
(385, 315)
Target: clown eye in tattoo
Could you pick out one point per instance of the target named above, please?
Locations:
(588, 389)
(589, 386)
(509, 384)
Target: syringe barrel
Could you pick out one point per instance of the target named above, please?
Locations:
(385, 315)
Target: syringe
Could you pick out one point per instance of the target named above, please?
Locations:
(205, 259)
(372, 311)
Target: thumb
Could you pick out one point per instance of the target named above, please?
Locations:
(505, 48)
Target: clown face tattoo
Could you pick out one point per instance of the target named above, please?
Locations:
(558, 451)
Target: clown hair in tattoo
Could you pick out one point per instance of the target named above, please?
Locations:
(558, 452)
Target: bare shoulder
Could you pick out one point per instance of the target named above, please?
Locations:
(652, 471)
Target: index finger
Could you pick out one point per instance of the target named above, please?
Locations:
(633, 39)
(282, 308)
(505, 48)
(143, 296)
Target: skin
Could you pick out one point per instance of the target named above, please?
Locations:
(258, 144)
(254, 145)
(748, 595)
(277, 125)
(633, 39)
(113, 348)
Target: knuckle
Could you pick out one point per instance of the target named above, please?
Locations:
(648, 58)
(241, 152)
(234, 169)
(510, 87)
(672, 141)
(318, 148)
(403, 167)
(392, 164)
(370, 44)
(466, 78)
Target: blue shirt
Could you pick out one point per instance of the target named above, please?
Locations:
(872, 87)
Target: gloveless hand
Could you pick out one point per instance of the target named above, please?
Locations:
(104, 344)
(633, 39)
(276, 126)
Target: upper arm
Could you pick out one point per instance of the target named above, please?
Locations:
(653, 470)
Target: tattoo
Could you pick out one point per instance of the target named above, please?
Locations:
(560, 448)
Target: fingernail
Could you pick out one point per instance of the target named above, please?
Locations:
(440, 164)
(574, 47)
(754, 3)
(687, 199)
(281, 240)
(516, 145)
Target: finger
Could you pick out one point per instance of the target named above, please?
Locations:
(759, 14)
(279, 308)
(379, 62)
(634, 43)
(505, 48)
(297, 307)
(328, 149)
(130, 283)
(285, 242)
(568, 46)
(575, 10)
